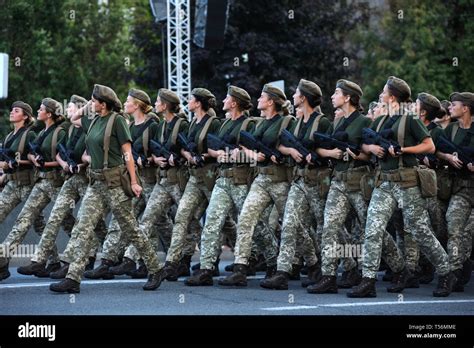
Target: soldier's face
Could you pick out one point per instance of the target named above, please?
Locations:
(193, 104)
(297, 98)
(457, 109)
(263, 102)
(129, 106)
(229, 103)
(338, 99)
(385, 95)
(159, 105)
(96, 106)
(418, 109)
(16, 115)
(43, 114)
(71, 109)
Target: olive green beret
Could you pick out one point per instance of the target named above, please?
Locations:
(108, 95)
(349, 87)
(169, 96)
(140, 95)
(430, 100)
(53, 106)
(27, 109)
(76, 99)
(239, 93)
(400, 86)
(202, 92)
(467, 98)
(309, 87)
(274, 91)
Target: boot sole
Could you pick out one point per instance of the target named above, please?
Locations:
(69, 291)
(370, 295)
(5, 276)
(201, 284)
(329, 291)
(240, 285)
(274, 287)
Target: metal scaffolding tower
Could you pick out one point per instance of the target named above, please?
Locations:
(179, 42)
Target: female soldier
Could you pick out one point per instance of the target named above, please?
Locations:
(18, 168)
(202, 174)
(308, 190)
(48, 179)
(142, 128)
(270, 186)
(113, 180)
(397, 185)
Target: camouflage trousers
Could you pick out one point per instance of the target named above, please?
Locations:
(262, 194)
(304, 205)
(385, 199)
(226, 198)
(42, 193)
(97, 199)
(457, 217)
(116, 242)
(11, 196)
(335, 244)
(191, 207)
(265, 237)
(163, 196)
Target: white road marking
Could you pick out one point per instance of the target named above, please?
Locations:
(361, 304)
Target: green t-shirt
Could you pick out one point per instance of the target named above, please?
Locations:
(165, 130)
(78, 135)
(461, 134)
(354, 137)
(268, 132)
(304, 131)
(195, 130)
(415, 132)
(230, 130)
(30, 137)
(138, 143)
(95, 140)
(46, 146)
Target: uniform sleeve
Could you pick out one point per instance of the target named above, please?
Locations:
(251, 126)
(122, 131)
(86, 123)
(448, 131)
(436, 133)
(215, 125)
(324, 125)
(418, 129)
(154, 130)
(62, 136)
(293, 122)
(292, 127)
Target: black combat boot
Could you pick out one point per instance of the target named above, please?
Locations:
(46, 272)
(238, 278)
(90, 265)
(295, 272)
(196, 267)
(140, 273)
(126, 266)
(171, 271)
(60, 273)
(349, 279)
(314, 275)
(103, 271)
(4, 272)
(445, 285)
(202, 277)
(66, 285)
(229, 268)
(366, 288)
(459, 284)
(413, 281)
(388, 276)
(304, 270)
(326, 285)
(32, 268)
(399, 281)
(270, 271)
(251, 268)
(466, 271)
(427, 273)
(279, 281)
(216, 272)
(184, 267)
(154, 280)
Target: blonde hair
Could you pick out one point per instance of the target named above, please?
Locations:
(144, 107)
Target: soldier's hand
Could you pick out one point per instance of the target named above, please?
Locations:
(426, 161)
(222, 156)
(308, 159)
(470, 166)
(392, 152)
(335, 153)
(139, 162)
(66, 168)
(296, 155)
(274, 160)
(352, 154)
(3, 165)
(35, 161)
(234, 153)
(161, 161)
(137, 189)
(454, 161)
(377, 151)
(260, 157)
(171, 161)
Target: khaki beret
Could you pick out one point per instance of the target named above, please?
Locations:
(27, 109)
(202, 92)
(108, 95)
(53, 106)
(169, 96)
(239, 93)
(76, 99)
(467, 98)
(140, 95)
(430, 100)
(349, 87)
(309, 87)
(274, 91)
(402, 89)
